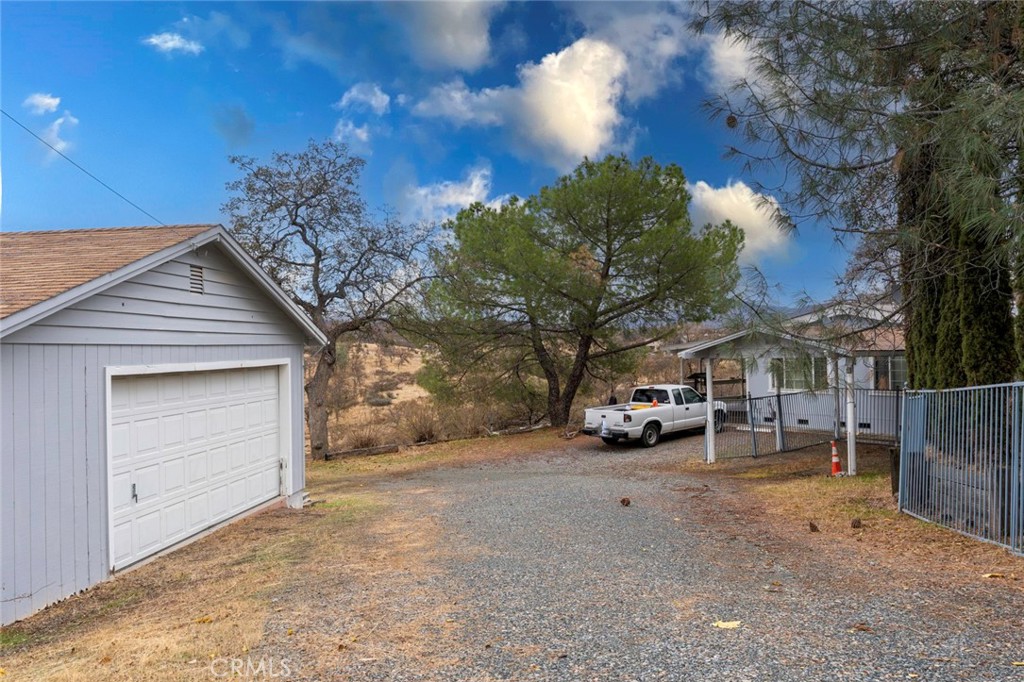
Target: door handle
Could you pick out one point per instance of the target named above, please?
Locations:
(135, 495)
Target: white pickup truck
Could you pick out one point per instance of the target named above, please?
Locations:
(650, 412)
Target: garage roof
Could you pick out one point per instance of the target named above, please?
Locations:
(36, 266)
(43, 272)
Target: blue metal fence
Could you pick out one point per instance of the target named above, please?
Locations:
(962, 461)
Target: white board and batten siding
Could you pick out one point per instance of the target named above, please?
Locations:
(64, 381)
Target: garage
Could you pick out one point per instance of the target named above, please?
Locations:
(151, 389)
(187, 451)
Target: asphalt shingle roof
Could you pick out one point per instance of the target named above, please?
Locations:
(36, 266)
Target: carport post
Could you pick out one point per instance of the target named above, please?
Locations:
(851, 420)
(709, 428)
(838, 398)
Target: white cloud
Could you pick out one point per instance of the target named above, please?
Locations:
(455, 102)
(356, 137)
(52, 133)
(727, 61)
(564, 108)
(450, 35)
(365, 94)
(652, 37)
(751, 212)
(169, 43)
(216, 26)
(443, 200)
(39, 103)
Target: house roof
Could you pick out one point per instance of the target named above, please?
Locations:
(43, 272)
(36, 266)
(881, 340)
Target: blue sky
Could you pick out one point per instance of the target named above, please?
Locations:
(449, 103)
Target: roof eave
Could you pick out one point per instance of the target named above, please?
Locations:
(708, 348)
(24, 318)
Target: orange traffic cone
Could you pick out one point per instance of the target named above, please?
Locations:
(837, 468)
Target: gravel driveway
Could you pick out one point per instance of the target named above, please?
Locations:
(533, 569)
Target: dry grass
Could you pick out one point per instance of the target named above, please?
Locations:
(793, 489)
(169, 619)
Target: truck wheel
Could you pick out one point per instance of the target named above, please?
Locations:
(610, 440)
(719, 420)
(649, 436)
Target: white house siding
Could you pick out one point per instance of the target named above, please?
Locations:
(53, 452)
(878, 409)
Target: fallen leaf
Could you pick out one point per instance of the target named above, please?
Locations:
(2, 672)
(860, 627)
(1019, 664)
(728, 624)
(993, 575)
(204, 619)
(290, 632)
(105, 660)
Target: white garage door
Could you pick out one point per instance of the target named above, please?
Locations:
(188, 451)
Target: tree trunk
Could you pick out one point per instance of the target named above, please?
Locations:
(316, 402)
(572, 383)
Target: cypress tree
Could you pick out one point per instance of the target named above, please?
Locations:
(985, 318)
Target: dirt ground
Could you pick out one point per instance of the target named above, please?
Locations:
(257, 587)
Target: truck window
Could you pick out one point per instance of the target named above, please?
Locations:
(692, 396)
(677, 396)
(649, 395)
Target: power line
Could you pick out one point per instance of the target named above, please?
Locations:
(72, 162)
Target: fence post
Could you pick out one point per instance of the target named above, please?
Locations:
(851, 419)
(1017, 471)
(780, 434)
(750, 421)
(838, 412)
(709, 425)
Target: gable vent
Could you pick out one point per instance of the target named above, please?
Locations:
(195, 279)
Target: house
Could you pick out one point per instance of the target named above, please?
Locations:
(838, 353)
(150, 389)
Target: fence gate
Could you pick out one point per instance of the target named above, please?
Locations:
(962, 461)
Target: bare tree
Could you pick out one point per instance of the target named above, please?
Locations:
(301, 217)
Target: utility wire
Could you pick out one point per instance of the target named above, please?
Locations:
(69, 160)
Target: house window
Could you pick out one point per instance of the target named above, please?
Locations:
(890, 372)
(799, 374)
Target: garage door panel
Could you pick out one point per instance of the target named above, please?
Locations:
(120, 441)
(174, 475)
(121, 491)
(172, 431)
(174, 521)
(145, 392)
(195, 426)
(236, 418)
(218, 461)
(147, 434)
(121, 541)
(172, 390)
(197, 468)
(199, 448)
(217, 420)
(237, 494)
(147, 483)
(198, 510)
(148, 531)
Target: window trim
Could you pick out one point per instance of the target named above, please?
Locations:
(816, 383)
